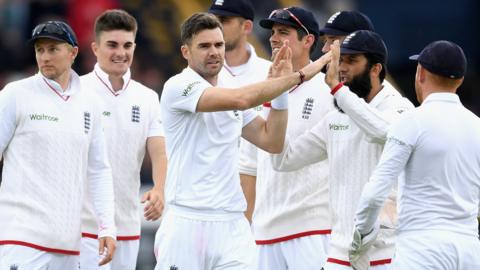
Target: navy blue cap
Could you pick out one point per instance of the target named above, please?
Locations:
(237, 8)
(364, 41)
(57, 30)
(443, 58)
(344, 23)
(281, 16)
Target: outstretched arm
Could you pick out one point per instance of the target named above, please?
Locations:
(221, 99)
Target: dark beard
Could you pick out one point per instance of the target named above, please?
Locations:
(361, 84)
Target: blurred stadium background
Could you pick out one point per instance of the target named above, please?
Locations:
(406, 26)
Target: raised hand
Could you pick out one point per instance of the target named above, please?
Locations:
(282, 62)
(332, 76)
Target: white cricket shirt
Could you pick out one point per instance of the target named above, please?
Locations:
(51, 143)
(352, 142)
(131, 115)
(438, 145)
(295, 204)
(255, 70)
(202, 149)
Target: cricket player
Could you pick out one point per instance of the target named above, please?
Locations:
(438, 147)
(242, 66)
(352, 138)
(204, 226)
(291, 221)
(341, 24)
(131, 113)
(51, 140)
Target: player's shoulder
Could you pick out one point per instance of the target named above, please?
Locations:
(141, 89)
(183, 82)
(263, 61)
(395, 98)
(19, 87)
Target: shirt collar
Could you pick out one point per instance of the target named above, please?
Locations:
(238, 70)
(72, 88)
(384, 93)
(442, 96)
(103, 76)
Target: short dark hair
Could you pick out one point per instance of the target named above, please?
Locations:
(196, 23)
(301, 33)
(373, 59)
(115, 19)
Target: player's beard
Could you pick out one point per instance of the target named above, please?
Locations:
(361, 84)
(232, 45)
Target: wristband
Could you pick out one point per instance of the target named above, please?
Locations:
(280, 102)
(336, 88)
(302, 77)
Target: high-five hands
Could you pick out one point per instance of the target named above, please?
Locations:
(282, 61)
(332, 76)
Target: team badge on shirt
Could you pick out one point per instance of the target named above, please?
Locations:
(136, 114)
(13, 267)
(86, 121)
(173, 267)
(307, 108)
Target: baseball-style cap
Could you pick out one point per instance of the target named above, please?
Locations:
(343, 23)
(57, 30)
(292, 16)
(237, 8)
(364, 41)
(443, 58)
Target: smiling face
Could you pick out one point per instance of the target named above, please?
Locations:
(281, 32)
(205, 53)
(114, 51)
(54, 58)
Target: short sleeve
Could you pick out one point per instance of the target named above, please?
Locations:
(182, 93)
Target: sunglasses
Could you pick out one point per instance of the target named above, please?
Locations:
(53, 28)
(286, 14)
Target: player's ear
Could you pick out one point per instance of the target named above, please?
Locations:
(185, 51)
(94, 48)
(247, 26)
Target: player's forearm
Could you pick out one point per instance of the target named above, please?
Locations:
(300, 152)
(376, 191)
(259, 93)
(158, 157)
(369, 119)
(248, 183)
(272, 134)
(100, 183)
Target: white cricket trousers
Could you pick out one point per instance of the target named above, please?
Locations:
(186, 240)
(125, 257)
(16, 257)
(436, 250)
(306, 253)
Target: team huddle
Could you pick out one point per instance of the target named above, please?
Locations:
(276, 164)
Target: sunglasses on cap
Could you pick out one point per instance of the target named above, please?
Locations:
(54, 28)
(286, 14)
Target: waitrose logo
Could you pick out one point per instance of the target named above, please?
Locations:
(43, 117)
